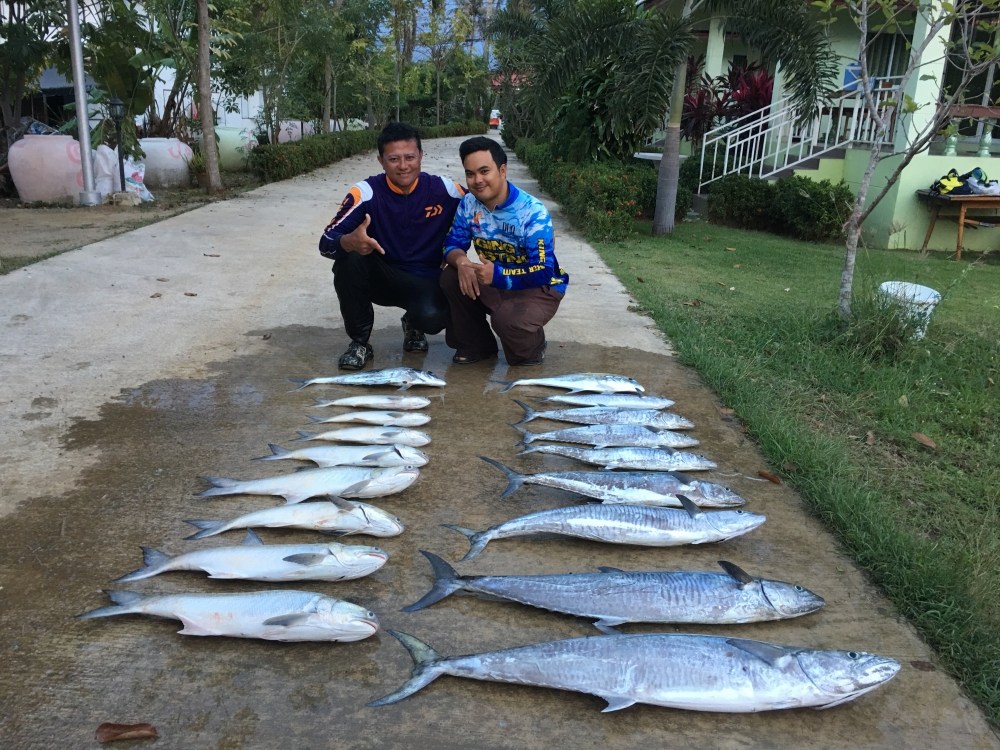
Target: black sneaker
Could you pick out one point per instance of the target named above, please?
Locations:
(413, 338)
(356, 356)
(537, 360)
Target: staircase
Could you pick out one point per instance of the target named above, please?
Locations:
(779, 137)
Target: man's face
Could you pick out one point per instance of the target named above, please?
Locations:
(484, 178)
(401, 162)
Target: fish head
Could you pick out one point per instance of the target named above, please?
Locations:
(426, 377)
(389, 481)
(379, 522)
(844, 675)
(357, 557)
(411, 456)
(789, 599)
(344, 620)
(719, 495)
(735, 522)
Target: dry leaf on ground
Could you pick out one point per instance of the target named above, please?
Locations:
(108, 732)
(924, 440)
(769, 476)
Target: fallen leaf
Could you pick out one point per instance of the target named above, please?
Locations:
(211, 255)
(769, 476)
(163, 279)
(726, 411)
(640, 279)
(730, 249)
(924, 440)
(870, 438)
(720, 283)
(108, 732)
(190, 294)
(904, 401)
(738, 265)
(693, 303)
(923, 666)
(155, 295)
(991, 381)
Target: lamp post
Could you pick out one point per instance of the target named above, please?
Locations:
(116, 109)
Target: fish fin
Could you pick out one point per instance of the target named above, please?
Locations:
(355, 488)
(529, 413)
(446, 581)
(681, 477)
(616, 703)
(303, 436)
(607, 626)
(206, 528)
(305, 558)
(382, 452)
(767, 652)
(300, 382)
(736, 573)
(477, 540)
(252, 540)
(514, 480)
(120, 600)
(404, 387)
(193, 628)
(276, 452)
(314, 419)
(693, 510)
(341, 503)
(609, 569)
(425, 668)
(508, 384)
(151, 559)
(292, 618)
(526, 435)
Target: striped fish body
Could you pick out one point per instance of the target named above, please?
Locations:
(695, 672)
(404, 377)
(597, 382)
(626, 457)
(594, 415)
(615, 400)
(614, 435)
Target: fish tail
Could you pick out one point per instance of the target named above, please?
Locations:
(446, 581)
(313, 418)
(122, 603)
(207, 528)
(220, 486)
(477, 539)
(526, 435)
(152, 560)
(529, 413)
(507, 384)
(514, 480)
(300, 382)
(276, 452)
(426, 668)
(303, 436)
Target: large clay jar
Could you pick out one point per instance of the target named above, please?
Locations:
(46, 168)
(234, 147)
(166, 163)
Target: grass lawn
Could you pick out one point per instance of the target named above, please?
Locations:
(899, 455)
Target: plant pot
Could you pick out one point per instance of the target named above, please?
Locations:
(46, 168)
(166, 162)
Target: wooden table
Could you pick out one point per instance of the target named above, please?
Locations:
(963, 203)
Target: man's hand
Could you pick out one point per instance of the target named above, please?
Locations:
(473, 275)
(359, 242)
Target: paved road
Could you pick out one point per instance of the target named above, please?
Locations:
(132, 366)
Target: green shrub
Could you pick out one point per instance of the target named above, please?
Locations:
(740, 201)
(811, 210)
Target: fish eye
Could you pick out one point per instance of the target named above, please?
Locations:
(799, 588)
(370, 614)
(853, 655)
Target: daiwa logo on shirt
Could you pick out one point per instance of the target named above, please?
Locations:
(432, 211)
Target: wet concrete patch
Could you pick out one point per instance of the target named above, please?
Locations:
(64, 677)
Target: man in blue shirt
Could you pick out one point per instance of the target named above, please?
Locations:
(517, 283)
(385, 243)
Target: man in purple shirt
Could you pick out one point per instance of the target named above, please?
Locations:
(386, 242)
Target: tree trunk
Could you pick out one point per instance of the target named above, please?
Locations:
(209, 148)
(327, 93)
(670, 161)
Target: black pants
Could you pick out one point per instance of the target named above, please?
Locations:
(362, 281)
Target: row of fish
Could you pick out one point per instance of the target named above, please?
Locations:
(640, 507)
(381, 466)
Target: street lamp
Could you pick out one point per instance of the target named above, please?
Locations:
(116, 109)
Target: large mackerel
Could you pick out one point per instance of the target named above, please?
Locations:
(634, 487)
(376, 456)
(642, 459)
(341, 481)
(614, 597)
(696, 672)
(655, 418)
(621, 524)
(615, 400)
(612, 435)
(335, 516)
(271, 615)
(598, 382)
(253, 560)
(404, 377)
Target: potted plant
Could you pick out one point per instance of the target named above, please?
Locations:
(199, 170)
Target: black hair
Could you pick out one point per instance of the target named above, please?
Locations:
(398, 131)
(482, 143)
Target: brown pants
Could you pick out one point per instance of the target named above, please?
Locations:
(516, 316)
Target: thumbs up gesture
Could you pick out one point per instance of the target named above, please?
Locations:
(359, 242)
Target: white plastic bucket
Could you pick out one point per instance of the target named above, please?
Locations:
(917, 301)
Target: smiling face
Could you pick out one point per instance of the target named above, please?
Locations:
(401, 162)
(485, 179)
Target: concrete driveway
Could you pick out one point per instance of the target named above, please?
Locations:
(133, 366)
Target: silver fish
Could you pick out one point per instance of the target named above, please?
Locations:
(270, 615)
(342, 481)
(404, 377)
(641, 459)
(374, 401)
(695, 672)
(654, 418)
(379, 456)
(581, 381)
(612, 435)
(253, 560)
(614, 400)
(335, 516)
(377, 417)
(632, 487)
(614, 597)
(370, 435)
(622, 524)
